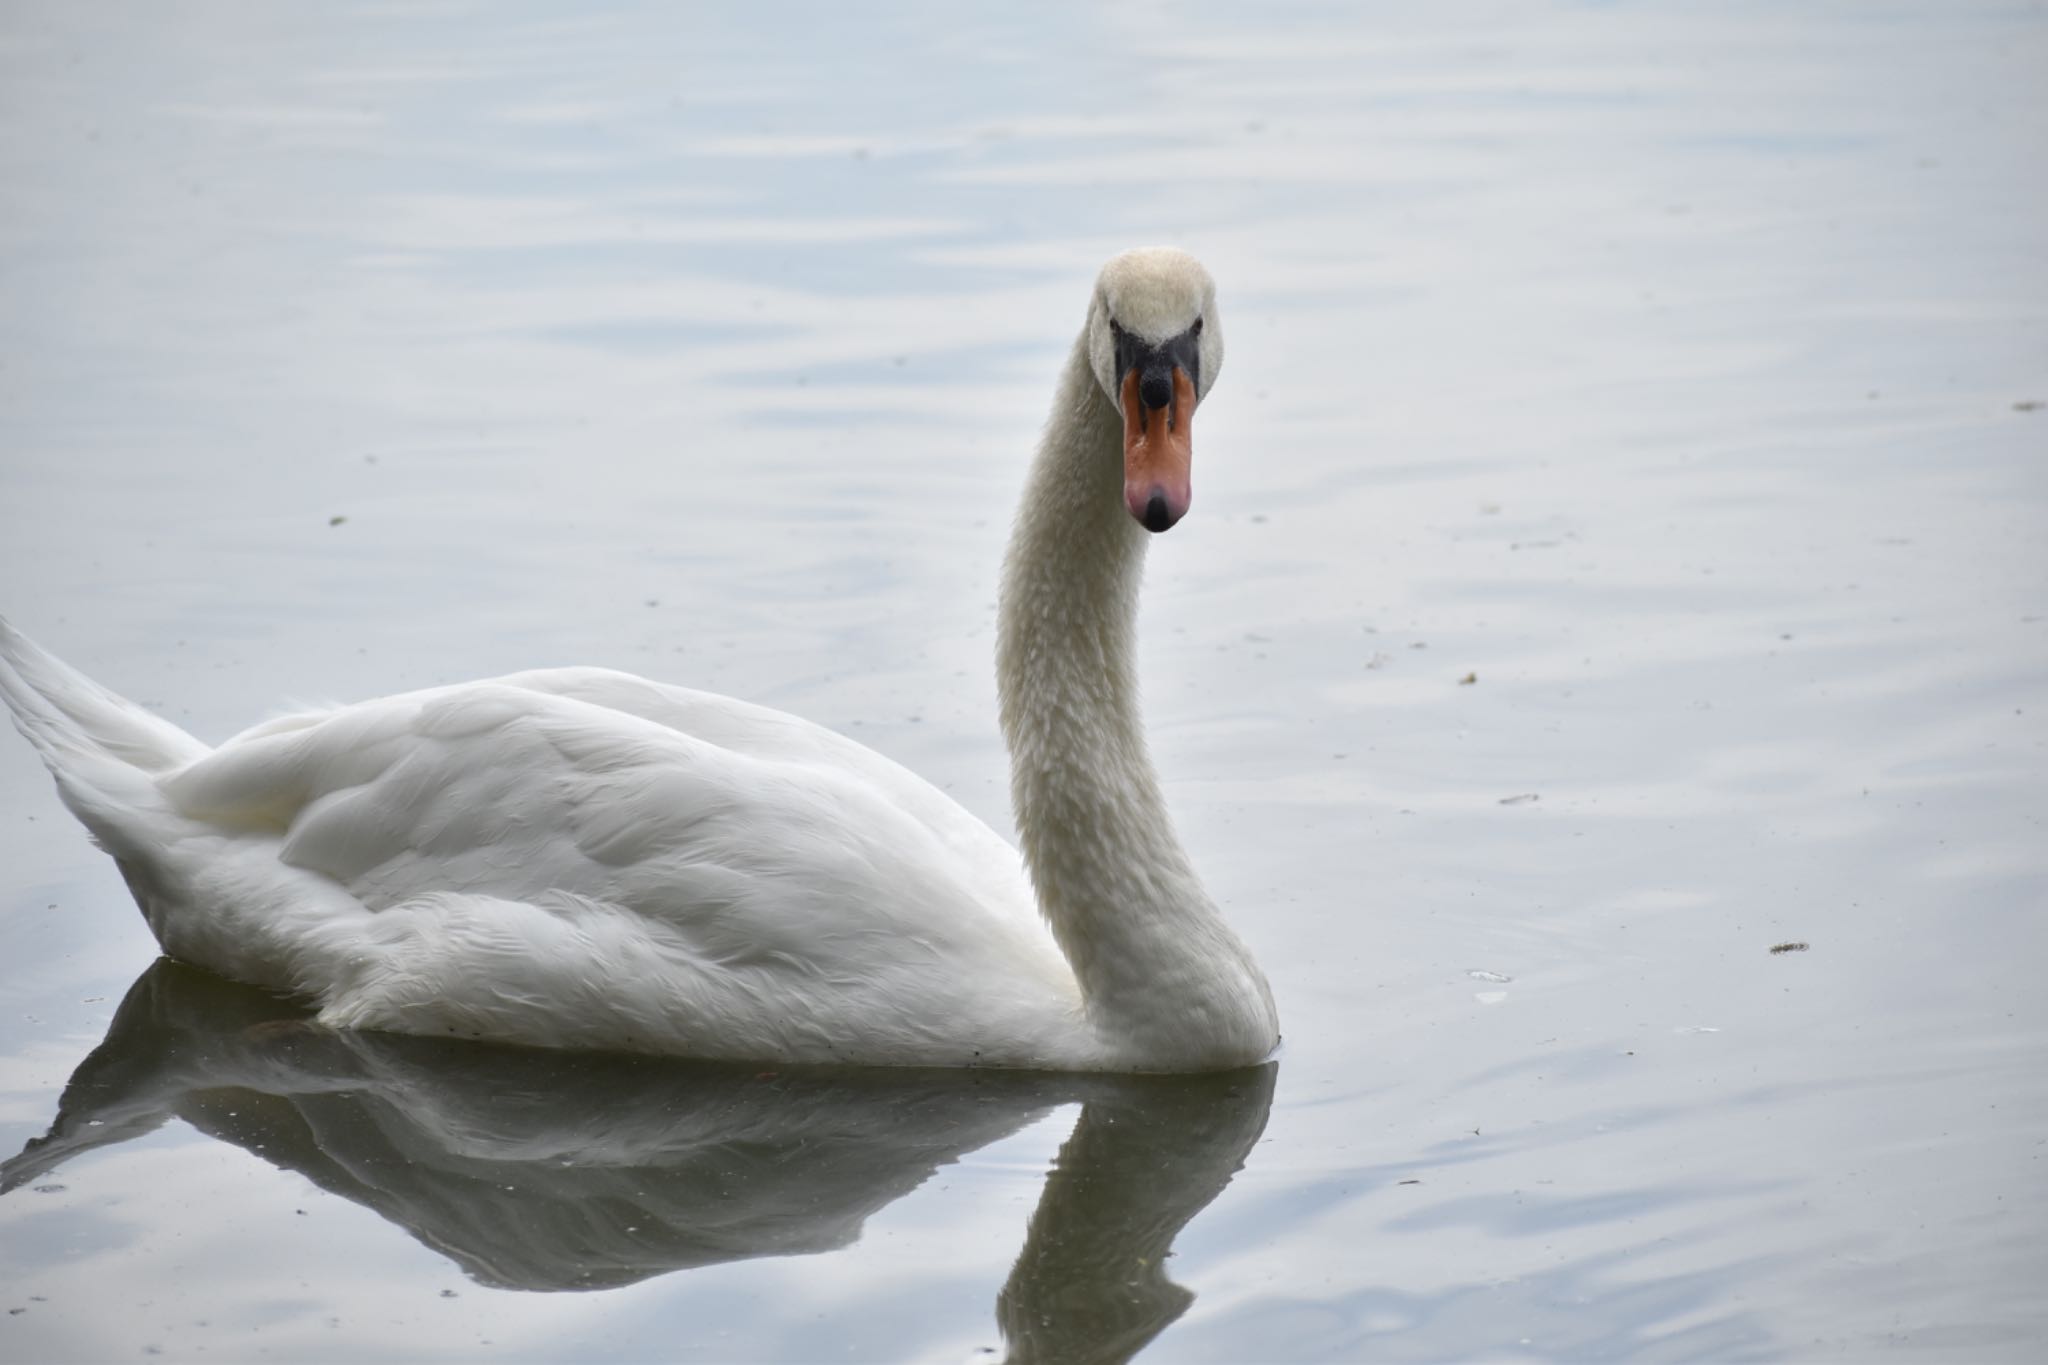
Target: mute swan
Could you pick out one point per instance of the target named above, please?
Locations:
(580, 858)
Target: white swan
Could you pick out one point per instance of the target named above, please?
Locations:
(581, 858)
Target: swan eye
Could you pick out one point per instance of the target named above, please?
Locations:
(1198, 327)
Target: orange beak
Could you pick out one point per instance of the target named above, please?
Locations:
(1158, 448)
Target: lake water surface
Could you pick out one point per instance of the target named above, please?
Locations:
(1620, 549)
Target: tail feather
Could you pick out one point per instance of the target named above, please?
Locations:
(103, 749)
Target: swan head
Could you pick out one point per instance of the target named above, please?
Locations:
(1155, 346)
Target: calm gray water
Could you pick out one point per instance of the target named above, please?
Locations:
(1618, 549)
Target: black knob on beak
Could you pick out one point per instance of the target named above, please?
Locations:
(1156, 389)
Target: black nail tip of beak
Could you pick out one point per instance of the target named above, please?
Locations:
(1157, 518)
(1156, 389)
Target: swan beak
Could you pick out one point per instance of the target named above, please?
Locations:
(1158, 448)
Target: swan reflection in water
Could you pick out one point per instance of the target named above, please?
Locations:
(556, 1171)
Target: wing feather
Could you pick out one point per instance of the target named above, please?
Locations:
(587, 859)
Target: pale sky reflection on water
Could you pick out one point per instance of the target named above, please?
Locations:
(1674, 373)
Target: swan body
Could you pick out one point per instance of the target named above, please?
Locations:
(581, 858)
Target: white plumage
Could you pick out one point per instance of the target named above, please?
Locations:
(582, 858)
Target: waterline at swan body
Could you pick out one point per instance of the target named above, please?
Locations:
(581, 858)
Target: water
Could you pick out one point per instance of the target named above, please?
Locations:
(1616, 553)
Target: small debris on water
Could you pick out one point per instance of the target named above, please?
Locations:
(1521, 800)
(1794, 947)
(1408, 1182)
(336, 520)
(1468, 680)
(1480, 974)
(2030, 405)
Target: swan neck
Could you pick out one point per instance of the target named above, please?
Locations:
(1160, 973)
